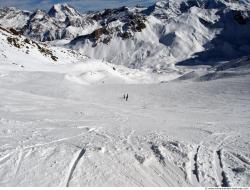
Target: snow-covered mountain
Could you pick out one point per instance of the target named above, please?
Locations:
(60, 22)
(175, 32)
(154, 38)
(14, 18)
(20, 53)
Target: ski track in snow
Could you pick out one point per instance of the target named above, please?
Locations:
(210, 149)
(75, 161)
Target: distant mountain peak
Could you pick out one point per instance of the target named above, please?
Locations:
(61, 11)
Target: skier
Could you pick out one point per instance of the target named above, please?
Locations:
(127, 97)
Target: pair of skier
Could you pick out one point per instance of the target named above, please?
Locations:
(125, 97)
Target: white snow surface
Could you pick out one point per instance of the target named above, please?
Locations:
(65, 122)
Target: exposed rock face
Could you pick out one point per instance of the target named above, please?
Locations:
(15, 32)
(98, 33)
(130, 21)
(241, 17)
(16, 40)
(135, 23)
(60, 22)
(120, 22)
(64, 22)
(110, 14)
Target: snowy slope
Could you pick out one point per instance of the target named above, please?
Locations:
(21, 53)
(56, 132)
(234, 68)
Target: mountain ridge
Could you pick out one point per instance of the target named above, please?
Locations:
(149, 38)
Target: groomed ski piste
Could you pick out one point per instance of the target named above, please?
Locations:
(64, 120)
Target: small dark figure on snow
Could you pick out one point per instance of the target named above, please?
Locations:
(127, 97)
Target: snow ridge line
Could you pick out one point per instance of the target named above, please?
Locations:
(74, 164)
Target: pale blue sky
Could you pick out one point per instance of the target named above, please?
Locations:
(80, 5)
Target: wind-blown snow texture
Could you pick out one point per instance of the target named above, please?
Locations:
(185, 66)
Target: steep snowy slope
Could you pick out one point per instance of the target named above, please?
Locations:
(13, 18)
(155, 46)
(17, 51)
(21, 53)
(230, 69)
(176, 31)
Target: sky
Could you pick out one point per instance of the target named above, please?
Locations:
(80, 5)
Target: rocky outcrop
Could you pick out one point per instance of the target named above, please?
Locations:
(64, 22)
(120, 22)
(60, 22)
(241, 17)
(16, 40)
